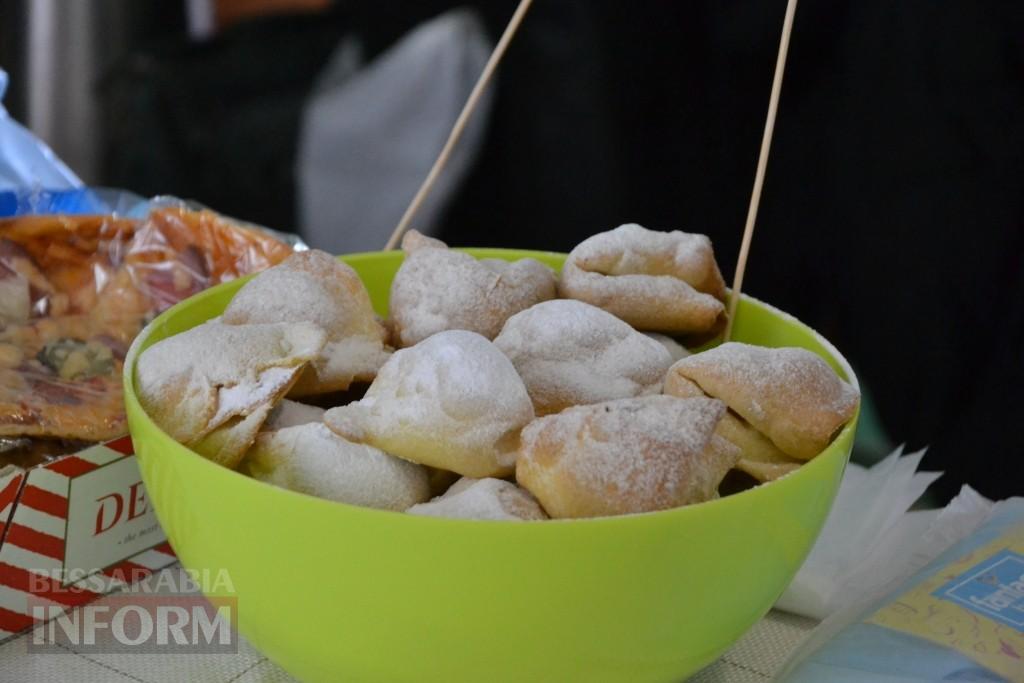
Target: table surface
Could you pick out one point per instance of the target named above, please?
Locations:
(754, 659)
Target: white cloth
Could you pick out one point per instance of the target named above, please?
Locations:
(369, 136)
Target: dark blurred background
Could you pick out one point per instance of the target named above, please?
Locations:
(892, 218)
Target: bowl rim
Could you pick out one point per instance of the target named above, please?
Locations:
(136, 412)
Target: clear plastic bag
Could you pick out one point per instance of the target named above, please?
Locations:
(81, 272)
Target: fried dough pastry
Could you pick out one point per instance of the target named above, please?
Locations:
(437, 289)
(312, 286)
(656, 281)
(620, 457)
(571, 353)
(212, 387)
(789, 395)
(759, 457)
(453, 402)
(312, 459)
(482, 499)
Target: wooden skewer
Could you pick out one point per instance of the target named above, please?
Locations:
(762, 163)
(460, 123)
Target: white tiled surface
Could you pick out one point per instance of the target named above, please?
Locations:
(752, 660)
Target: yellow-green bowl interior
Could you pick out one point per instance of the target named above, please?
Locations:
(336, 592)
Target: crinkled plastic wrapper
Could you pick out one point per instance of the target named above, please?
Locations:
(81, 273)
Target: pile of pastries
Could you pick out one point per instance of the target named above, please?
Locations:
(496, 390)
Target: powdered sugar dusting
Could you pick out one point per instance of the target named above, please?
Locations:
(241, 399)
(312, 286)
(676, 350)
(438, 289)
(632, 249)
(764, 369)
(630, 455)
(355, 359)
(312, 459)
(789, 394)
(493, 499)
(453, 401)
(653, 280)
(226, 354)
(571, 353)
(181, 379)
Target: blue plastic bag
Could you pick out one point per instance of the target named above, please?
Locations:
(84, 200)
(25, 161)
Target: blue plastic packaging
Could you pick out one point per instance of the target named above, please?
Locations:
(25, 161)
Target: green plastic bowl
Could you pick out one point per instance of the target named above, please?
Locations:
(333, 592)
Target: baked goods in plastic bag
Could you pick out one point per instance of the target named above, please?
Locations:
(76, 289)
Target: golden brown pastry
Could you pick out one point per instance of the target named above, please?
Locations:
(625, 456)
(657, 281)
(312, 459)
(212, 387)
(482, 499)
(312, 286)
(453, 401)
(571, 353)
(760, 458)
(789, 395)
(438, 289)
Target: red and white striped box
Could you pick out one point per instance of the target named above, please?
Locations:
(73, 530)
(10, 485)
